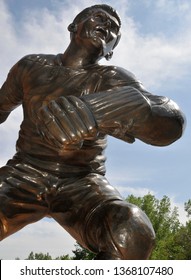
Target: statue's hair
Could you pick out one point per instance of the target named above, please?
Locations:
(88, 10)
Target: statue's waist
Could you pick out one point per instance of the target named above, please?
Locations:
(60, 167)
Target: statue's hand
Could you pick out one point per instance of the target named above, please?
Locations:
(66, 123)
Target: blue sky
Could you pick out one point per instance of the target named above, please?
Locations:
(155, 46)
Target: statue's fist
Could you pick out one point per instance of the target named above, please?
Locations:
(66, 123)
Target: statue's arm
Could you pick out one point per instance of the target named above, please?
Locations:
(10, 94)
(126, 113)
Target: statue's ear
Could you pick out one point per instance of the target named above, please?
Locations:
(72, 27)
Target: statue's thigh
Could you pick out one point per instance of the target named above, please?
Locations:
(19, 201)
(76, 201)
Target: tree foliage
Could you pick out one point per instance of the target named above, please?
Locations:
(173, 239)
(187, 207)
(82, 254)
(39, 256)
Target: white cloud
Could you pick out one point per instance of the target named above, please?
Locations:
(154, 58)
(125, 191)
(8, 38)
(173, 7)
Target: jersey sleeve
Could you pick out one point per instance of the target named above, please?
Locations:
(11, 94)
(127, 111)
(118, 110)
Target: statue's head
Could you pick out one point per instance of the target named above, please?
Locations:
(100, 23)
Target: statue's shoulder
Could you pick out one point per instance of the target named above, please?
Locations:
(111, 71)
(117, 76)
(43, 59)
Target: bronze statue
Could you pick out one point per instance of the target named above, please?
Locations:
(70, 105)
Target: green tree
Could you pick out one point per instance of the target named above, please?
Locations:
(64, 257)
(42, 256)
(82, 254)
(182, 239)
(39, 256)
(187, 207)
(182, 243)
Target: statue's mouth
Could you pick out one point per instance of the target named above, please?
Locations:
(101, 32)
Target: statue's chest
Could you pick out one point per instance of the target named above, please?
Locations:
(49, 83)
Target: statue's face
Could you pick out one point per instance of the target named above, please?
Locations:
(99, 30)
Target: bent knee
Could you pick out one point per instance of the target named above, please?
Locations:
(134, 232)
(126, 231)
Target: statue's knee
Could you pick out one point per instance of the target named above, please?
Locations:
(132, 230)
(124, 233)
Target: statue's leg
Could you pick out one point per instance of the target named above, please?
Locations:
(76, 200)
(124, 232)
(20, 203)
(95, 214)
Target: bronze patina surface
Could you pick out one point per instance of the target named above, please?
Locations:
(70, 104)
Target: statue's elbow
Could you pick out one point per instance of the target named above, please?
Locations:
(174, 131)
(163, 127)
(172, 128)
(170, 122)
